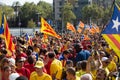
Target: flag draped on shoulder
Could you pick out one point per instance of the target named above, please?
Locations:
(112, 31)
(47, 29)
(4, 30)
(70, 27)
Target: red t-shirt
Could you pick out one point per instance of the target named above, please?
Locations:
(23, 71)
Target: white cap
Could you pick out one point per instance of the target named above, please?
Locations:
(13, 76)
(104, 58)
(12, 61)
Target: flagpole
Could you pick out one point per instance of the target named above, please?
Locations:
(107, 22)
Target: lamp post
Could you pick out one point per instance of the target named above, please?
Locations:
(38, 20)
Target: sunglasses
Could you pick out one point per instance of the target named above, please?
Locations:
(20, 61)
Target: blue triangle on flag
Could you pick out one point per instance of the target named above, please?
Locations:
(113, 26)
(2, 26)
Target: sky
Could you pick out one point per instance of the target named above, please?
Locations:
(10, 2)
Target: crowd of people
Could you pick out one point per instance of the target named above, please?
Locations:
(68, 58)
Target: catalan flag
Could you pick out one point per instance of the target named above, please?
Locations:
(81, 24)
(6, 33)
(70, 27)
(47, 29)
(112, 31)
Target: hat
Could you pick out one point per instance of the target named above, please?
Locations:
(20, 59)
(12, 61)
(104, 58)
(39, 64)
(13, 76)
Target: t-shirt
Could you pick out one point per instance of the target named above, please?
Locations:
(34, 76)
(56, 68)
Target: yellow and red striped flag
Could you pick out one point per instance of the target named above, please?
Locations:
(70, 27)
(81, 24)
(47, 29)
(6, 34)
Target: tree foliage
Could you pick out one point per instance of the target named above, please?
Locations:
(94, 12)
(31, 24)
(67, 13)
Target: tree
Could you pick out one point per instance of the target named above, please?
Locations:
(8, 11)
(94, 12)
(31, 24)
(45, 9)
(28, 12)
(67, 13)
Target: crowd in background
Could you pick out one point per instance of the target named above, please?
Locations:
(68, 58)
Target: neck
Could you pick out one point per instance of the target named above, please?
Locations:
(40, 74)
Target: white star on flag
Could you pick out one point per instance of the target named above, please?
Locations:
(116, 24)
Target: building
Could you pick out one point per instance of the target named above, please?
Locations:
(78, 5)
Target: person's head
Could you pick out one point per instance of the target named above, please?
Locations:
(69, 63)
(7, 71)
(83, 64)
(86, 77)
(50, 55)
(78, 66)
(105, 61)
(30, 60)
(70, 73)
(21, 78)
(4, 62)
(66, 53)
(12, 64)
(101, 74)
(39, 67)
(78, 47)
(20, 62)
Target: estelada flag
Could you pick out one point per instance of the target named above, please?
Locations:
(70, 27)
(6, 33)
(47, 29)
(112, 31)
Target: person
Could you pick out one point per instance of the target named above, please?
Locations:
(38, 74)
(86, 77)
(13, 76)
(21, 78)
(55, 66)
(6, 72)
(20, 67)
(81, 54)
(70, 72)
(64, 57)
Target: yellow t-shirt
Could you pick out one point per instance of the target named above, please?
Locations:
(79, 73)
(112, 66)
(56, 68)
(34, 76)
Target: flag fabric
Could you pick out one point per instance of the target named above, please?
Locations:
(47, 29)
(85, 37)
(6, 33)
(70, 27)
(28, 39)
(2, 26)
(112, 31)
(81, 24)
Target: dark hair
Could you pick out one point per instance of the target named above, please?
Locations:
(29, 52)
(30, 60)
(71, 70)
(83, 65)
(66, 52)
(51, 54)
(6, 67)
(21, 78)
